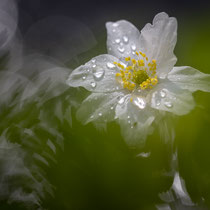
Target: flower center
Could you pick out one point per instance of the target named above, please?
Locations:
(139, 73)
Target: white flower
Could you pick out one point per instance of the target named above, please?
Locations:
(136, 83)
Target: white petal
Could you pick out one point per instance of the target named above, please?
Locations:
(189, 78)
(98, 107)
(97, 75)
(135, 122)
(158, 41)
(122, 38)
(169, 97)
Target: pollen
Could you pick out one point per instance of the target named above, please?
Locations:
(138, 73)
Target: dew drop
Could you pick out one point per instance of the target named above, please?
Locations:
(129, 117)
(129, 122)
(140, 102)
(99, 74)
(112, 108)
(114, 30)
(91, 117)
(84, 77)
(121, 101)
(93, 84)
(133, 47)
(115, 24)
(93, 60)
(163, 93)
(157, 103)
(117, 41)
(125, 39)
(94, 66)
(168, 104)
(99, 114)
(121, 49)
(110, 65)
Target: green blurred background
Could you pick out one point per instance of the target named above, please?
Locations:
(97, 170)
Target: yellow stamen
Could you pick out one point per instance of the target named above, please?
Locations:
(133, 61)
(118, 75)
(139, 74)
(127, 58)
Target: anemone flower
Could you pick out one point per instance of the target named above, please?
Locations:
(136, 83)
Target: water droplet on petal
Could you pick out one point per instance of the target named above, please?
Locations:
(158, 102)
(121, 101)
(93, 60)
(162, 76)
(140, 102)
(121, 49)
(93, 84)
(114, 30)
(112, 108)
(163, 93)
(117, 41)
(125, 39)
(99, 114)
(91, 117)
(94, 65)
(115, 24)
(98, 74)
(168, 104)
(129, 117)
(110, 65)
(133, 47)
(84, 77)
